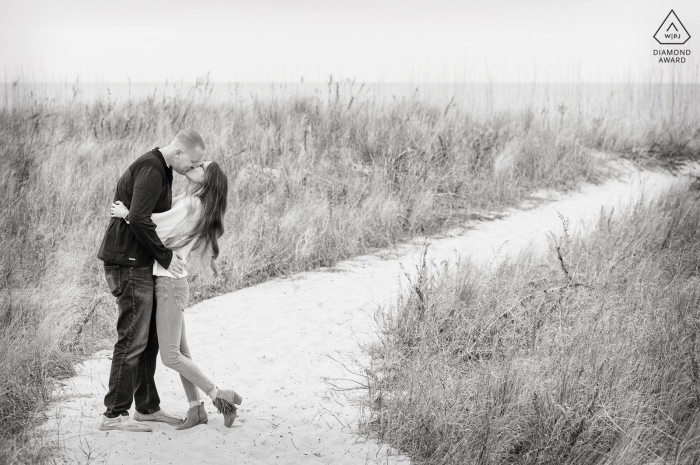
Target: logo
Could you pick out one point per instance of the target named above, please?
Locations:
(672, 31)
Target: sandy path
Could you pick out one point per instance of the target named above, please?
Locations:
(273, 343)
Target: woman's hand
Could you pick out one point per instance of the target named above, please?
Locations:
(118, 210)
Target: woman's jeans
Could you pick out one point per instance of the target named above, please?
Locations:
(172, 295)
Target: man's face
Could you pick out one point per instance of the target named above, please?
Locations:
(197, 174)
(185, 160)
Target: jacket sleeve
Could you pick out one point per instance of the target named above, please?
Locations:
(147, 185)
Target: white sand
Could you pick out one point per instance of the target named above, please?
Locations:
(273, 344)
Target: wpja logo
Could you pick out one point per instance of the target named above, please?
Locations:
(672, 32)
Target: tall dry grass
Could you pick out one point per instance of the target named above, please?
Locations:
(588, 358)
(313, 180)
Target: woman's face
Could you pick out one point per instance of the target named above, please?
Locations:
(197, 174)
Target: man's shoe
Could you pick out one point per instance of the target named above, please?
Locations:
(161, 416)
(195, 416)
(123, 423)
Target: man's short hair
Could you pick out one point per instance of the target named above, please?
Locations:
(188, 139)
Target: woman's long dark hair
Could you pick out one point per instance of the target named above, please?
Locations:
(213, 193)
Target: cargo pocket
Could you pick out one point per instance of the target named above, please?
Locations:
(112, 277)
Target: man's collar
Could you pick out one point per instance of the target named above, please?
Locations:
(158, 153)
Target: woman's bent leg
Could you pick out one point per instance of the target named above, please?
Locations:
(185, 351)
(172, 296)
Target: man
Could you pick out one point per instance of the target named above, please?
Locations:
(128, 251)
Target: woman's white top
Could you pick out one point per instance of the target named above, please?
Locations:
(179, 221)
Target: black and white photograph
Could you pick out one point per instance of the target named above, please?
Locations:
(327, 232)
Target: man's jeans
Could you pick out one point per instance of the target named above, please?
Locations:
(136, 350)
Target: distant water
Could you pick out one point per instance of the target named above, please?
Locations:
(476, 97)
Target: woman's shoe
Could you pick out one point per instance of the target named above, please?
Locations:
(195, 416)
(225, 402)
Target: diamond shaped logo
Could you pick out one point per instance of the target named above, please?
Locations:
(672, 31)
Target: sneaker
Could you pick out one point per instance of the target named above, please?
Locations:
(161, 416)
(123, 423)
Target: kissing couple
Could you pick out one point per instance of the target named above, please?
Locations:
(145, 251)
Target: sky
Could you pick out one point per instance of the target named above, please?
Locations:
(371, 41)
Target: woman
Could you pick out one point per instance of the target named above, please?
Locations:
(193, 224)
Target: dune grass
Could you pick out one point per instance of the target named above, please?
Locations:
(313, 181)
(589, 356)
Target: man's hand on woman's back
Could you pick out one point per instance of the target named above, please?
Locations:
(177, 264)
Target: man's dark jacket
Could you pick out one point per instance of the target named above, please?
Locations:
(145, 188)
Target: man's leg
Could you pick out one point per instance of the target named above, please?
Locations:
(127, 284)
(146, 394)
